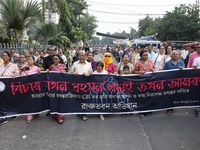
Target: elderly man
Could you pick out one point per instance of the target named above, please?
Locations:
(82, 67)
(174, 63)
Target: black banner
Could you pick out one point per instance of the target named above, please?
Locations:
(99, 94)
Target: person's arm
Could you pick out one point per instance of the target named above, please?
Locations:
(194, 65)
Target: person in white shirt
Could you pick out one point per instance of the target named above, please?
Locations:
(81, 67)
(60, 52)
(159, 59)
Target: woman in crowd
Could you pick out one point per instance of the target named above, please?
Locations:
(39, 61)
(100, 70)
(159, 59)
(108, 63)
(37, 55)
(23, 61)
(58, 67)
(90, 59)
(168, 53)
(143, 66)
(7, 69)
(27, 70)
(123, 63)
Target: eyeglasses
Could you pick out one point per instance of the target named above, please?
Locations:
(22, 57)
(55, 58)
(107, 56)
(145, 55)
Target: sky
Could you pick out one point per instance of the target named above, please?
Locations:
(110, 15)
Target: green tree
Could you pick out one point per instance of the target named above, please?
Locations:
(88, 24)
(16, 16)
(65, 22)
(45, 32)
(183, 23)
(76, 9)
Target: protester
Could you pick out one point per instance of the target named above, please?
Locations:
(12, 51)
(16, 59)
(27, 71)
(143, 66)
(47, 61)
(7, 69)
(126, 69)
(137, 57)
(58, 67)
(82, 67)
(99, 70)
(39, 61)
(1, 61)
(64, 59)
(196, 65)
(23, 62)
(109, 64)
(37, 55)
(174, 63)
(123, 63)
(159, 59)
(168, 53)
(90, 59)
(193, 55)
(151, 52)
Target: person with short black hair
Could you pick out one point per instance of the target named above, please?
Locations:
(126, 69)
(100, 70)
(90, 59)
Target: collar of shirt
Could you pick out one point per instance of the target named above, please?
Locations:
(81, 63)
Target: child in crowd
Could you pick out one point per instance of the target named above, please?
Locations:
(126, 69)
(100, 70)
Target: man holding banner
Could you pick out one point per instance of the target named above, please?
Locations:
(81, 67)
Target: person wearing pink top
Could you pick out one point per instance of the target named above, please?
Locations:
(57, 67)
(193, 56)
(27, 70)
(7, 69)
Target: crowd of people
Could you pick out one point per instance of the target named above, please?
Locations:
(81, 62)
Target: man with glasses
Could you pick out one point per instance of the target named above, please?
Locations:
(48, 60)
(81, 67)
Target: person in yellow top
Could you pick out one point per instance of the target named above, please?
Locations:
(109, 66)
(1, 61)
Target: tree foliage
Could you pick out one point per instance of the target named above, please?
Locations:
(16, 16)
(183, 23)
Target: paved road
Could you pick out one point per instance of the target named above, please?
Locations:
(156, 131)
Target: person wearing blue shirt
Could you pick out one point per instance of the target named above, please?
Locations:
(151, 53)
(174, 63)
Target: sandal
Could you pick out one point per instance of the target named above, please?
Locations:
(102, 117)
(84, 118)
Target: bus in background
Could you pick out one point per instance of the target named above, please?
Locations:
(137, 43)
